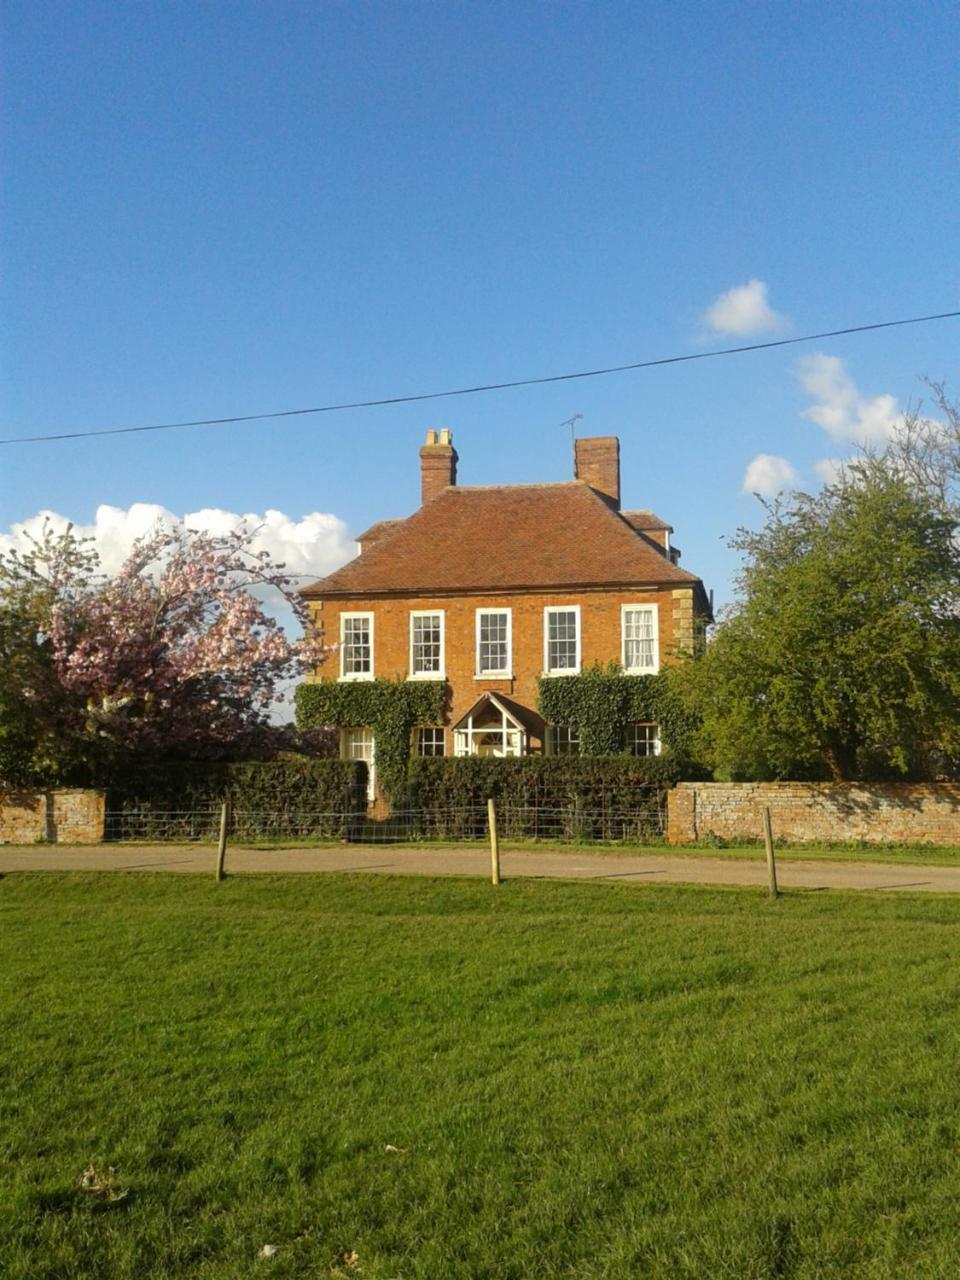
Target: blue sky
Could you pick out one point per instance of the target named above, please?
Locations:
(229, 208)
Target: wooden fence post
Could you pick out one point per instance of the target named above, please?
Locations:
(771, 860)
(222, 845)
(494, 842)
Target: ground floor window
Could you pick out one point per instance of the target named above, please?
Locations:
(359, 744)
(430, 742)
(643, 739)
(563, 740)
(490, 740)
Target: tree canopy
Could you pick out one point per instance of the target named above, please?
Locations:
(174, 655)
(842, 657)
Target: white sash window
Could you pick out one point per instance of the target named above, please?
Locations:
(561, 639)
(493, 642)
(641, 644)
(356, 646)
(426, 644)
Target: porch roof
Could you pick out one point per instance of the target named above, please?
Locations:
(523, 717)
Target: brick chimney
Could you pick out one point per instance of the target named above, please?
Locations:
(438, 464)
(597, 463)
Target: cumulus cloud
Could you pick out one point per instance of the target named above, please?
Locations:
(310, 547)
(839, 406)
(743, 310)
(830, 470)
(768, 475)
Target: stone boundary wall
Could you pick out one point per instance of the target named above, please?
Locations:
(65, 815)
(886, 813)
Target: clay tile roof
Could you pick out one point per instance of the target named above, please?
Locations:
(530, 720)
(505, 538)
(377, 530)
(646, 520)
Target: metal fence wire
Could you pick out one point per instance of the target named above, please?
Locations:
(514, 822)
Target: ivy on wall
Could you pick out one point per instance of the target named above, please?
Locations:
(601, 701)
(392, 708)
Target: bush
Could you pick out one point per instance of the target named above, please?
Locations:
(296, 797)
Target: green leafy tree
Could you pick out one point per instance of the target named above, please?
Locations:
(842, 658)
(37, 740)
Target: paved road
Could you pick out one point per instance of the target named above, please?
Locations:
(391, 860)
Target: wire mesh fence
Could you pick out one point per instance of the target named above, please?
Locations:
(514, 823)
(186, 825)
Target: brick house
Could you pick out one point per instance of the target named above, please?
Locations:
(490, 587)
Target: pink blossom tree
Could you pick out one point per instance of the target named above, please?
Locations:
(177, 654)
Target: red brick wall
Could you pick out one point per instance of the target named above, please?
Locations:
(63, 816)
(816, 811)
(598, 465)
(599, 635)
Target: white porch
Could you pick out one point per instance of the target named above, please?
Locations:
(498, 726)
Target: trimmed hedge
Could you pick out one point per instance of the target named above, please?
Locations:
(569, 797)
(278, 797)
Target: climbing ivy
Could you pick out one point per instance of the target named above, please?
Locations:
(390, 707)
(601, 701)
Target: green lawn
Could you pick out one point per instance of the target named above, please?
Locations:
(583, 1080)
(922, 854)
(917, 854)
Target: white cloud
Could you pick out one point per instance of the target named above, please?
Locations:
(830, 470)
(840, 408)
(310, 547)
(744, 310)
(768, 475)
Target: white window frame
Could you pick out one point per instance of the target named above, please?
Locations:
(561, 671)
(654, 611)
(361, 736)
(655, 739)
(356, 675)
(573, 738)
(507, 671)
(429, 675)
(429, 755)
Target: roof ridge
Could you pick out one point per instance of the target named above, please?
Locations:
(533, 484)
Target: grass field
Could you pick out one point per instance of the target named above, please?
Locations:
(581, 1080)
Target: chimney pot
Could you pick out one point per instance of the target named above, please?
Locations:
(438, 464)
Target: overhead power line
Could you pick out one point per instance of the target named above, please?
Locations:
(489, 386)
